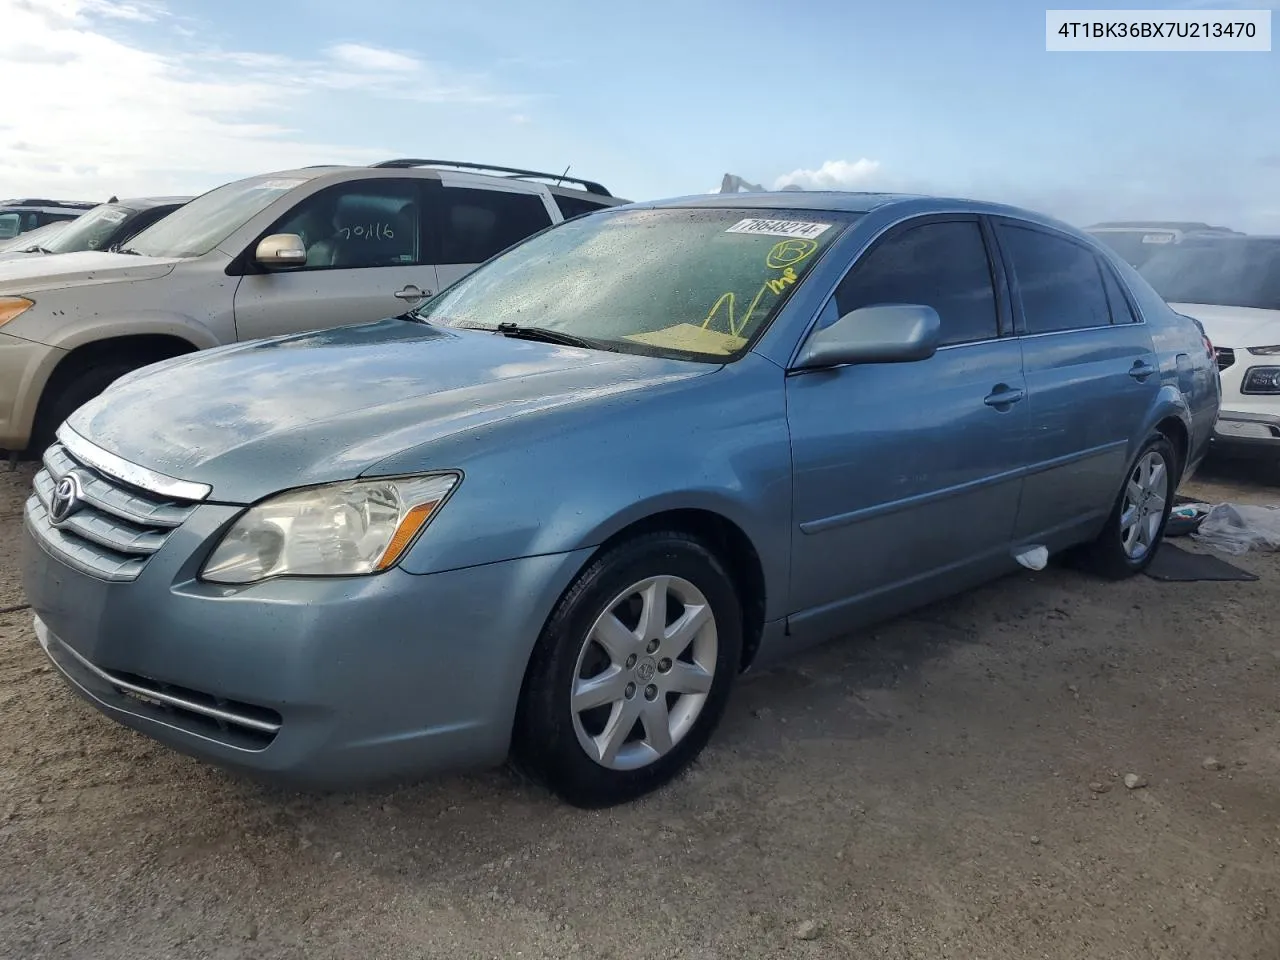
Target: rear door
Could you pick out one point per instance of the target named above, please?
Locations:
(1092, 378)
(368, 257)
(474, 223)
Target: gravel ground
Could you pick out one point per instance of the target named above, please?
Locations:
(950, 786)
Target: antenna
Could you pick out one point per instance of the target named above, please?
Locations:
(563, 175)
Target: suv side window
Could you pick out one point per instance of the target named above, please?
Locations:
(1059, 280)
(1121, 311)
(941, 264)
(366, 223)
(573, 206)
(476, 224)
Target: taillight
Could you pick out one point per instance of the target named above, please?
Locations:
(1208, 344)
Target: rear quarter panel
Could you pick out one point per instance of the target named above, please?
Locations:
(1190, 388)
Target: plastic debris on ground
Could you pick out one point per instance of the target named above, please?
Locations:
(1237, 528)
(1033, 558)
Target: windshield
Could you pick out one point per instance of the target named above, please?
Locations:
(1228, 273)
(199, 226)
(694, 284)
(92, 231)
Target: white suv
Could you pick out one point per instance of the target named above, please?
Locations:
(276, 254)
(1231, 284)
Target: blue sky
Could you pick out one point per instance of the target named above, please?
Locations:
(149, 96)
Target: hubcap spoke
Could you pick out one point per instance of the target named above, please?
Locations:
(614, 734)
(656, 720)
(600, 689)
(1129, 517)
(688, 678)
(653, 612)
(617, 640)
(682, 632)
(1155, 482)
(1134, 490)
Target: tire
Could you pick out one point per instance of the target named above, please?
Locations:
(598, 756)
(1124, 548)
(67, 394)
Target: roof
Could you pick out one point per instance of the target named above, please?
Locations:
(841, 201)
(452, 166)
(145, 203)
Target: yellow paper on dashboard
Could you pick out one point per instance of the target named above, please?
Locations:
(695, 339)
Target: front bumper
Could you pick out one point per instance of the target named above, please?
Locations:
(1241, 432)
(24, 370)
(315, 682)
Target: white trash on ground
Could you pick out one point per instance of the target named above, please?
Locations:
(1237, 528)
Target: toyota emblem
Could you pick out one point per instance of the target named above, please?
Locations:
(66, 498)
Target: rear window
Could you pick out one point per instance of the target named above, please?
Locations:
(576, 206)
(1137, 246)
(1227, 273)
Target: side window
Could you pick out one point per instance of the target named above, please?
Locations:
(1059, 280)
(476, 224)
(574, 206)
(1121, 312)
(370, 223)
(943, 265)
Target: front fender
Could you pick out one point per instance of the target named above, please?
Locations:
(571, 478)
(99, 327)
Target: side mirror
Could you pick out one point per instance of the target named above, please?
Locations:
(280, 250)
(885, 333)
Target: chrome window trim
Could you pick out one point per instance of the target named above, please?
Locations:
(113, 466)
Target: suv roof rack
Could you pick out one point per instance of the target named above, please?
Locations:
(514, 173)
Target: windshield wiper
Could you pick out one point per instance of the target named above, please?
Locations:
(544, 335)
(37, 249)
(129, 250)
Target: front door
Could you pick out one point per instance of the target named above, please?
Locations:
(366, 259)
(1092, 379)
(907, 475)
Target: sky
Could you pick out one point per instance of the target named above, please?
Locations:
(150, 97)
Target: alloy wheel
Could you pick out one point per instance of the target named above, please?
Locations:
(644, 672)
(1145, 496)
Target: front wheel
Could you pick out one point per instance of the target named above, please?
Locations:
(1133, 532)
(631, 673)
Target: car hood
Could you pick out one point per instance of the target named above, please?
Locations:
(255, 418)
(56, 271)
(1235, 327)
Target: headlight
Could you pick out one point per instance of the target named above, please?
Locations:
(337, 530)
(11, 307)
(1265, 351)
(1261, 380)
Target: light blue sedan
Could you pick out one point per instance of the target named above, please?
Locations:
(557, 511)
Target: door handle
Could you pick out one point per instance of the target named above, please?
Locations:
(411, 293)
(1141, 370)
(1003, 395)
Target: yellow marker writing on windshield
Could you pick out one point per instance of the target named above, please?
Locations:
(730, 301)
(788, 252)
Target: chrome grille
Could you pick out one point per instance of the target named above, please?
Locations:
(116, 528)
(1225, 357)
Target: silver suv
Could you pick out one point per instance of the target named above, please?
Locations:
(276, 254)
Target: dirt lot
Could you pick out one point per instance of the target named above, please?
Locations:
(949, 787)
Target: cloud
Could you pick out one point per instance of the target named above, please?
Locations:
(833, 175)
(99, 111)
(362, 57)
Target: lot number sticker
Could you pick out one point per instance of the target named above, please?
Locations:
(804, 229)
